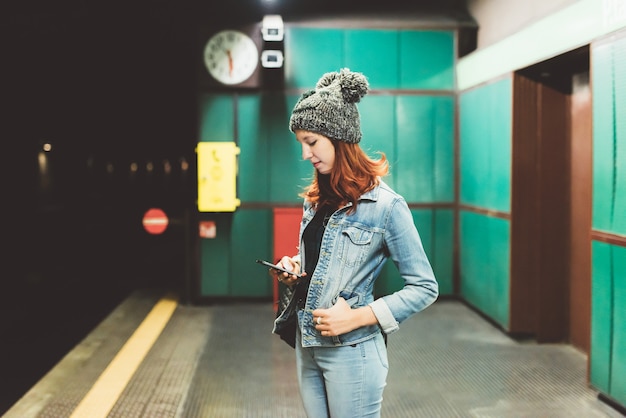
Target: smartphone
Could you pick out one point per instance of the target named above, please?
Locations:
(275, 267)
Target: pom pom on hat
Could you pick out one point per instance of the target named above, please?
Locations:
(330, 109)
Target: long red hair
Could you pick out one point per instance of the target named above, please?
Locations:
(353, 174)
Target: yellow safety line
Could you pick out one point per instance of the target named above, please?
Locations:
(107, 389)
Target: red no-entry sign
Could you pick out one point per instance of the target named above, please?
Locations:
(155, 221)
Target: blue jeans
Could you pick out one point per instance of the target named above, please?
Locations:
(344, 381)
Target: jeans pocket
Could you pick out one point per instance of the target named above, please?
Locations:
(381, 348)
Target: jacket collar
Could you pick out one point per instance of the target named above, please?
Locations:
(371, 195)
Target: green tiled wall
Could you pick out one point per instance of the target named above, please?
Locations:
(485, 146)
(609, 135)
(441, 256)
(603, 138)
(415, 131)
(309, 53)
(251, 239)
(253, 180)
(608, 316)
(288, 172)
(425, 60)
(602, 315)
(485, 264)
(608, 319)
(379, 129)
(619, 83)
(485, 123)
(425, 148)
(392, 59)
(216, 118)
(227, 261)
(618, 372)
(436, 231)
(373, 52)
(215, 258)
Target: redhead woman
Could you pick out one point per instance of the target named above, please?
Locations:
(352, 223)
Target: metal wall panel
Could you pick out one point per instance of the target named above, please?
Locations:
(608, 326)
(608, 334)
(253, 180)
(379, 130)
(392, 59)
(251, 238)
(424, 167)
(375, 54)
(603, 137)
(485, 264)
(415, 165)
(427, 60)
(601, 316)
(436, 232)
(441, 256)
(444, 112)
(485, 146)
(618, 363)
(619, 91)
(216, 118)
(215, 270)
(288, 172)
(311, 52)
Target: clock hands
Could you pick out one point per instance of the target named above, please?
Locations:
(231, 57)
(230, 62)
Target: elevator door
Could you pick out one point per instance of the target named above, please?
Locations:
(580, 215)
(551, 201)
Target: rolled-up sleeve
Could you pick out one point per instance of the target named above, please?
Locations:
(407, 252)
(385, 318)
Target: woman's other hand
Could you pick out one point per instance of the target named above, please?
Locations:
(341, 318)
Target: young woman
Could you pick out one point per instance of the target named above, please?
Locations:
(352, 223)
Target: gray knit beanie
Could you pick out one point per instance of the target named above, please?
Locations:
(330, 109)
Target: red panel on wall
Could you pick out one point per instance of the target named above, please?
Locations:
(286, 229)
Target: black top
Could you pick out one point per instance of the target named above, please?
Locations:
(312, 237)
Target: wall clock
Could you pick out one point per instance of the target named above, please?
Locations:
(231, 57)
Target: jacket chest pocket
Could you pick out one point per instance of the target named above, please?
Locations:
(354, 245)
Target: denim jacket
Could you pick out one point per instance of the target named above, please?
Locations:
(353, 251)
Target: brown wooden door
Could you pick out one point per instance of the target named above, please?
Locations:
(580, 218)
(551, 201)
(540, 211)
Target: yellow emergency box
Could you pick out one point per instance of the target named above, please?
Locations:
(217, 176)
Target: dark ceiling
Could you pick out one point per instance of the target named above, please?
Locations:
(117, 80)
(119, 75)
(231, 11)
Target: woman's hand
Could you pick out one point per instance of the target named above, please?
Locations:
(288, 263)
(341, 318)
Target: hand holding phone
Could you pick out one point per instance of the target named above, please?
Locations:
(275, 267)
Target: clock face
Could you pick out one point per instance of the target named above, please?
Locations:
(231, 56)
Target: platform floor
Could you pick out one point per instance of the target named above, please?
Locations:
(222, 361)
